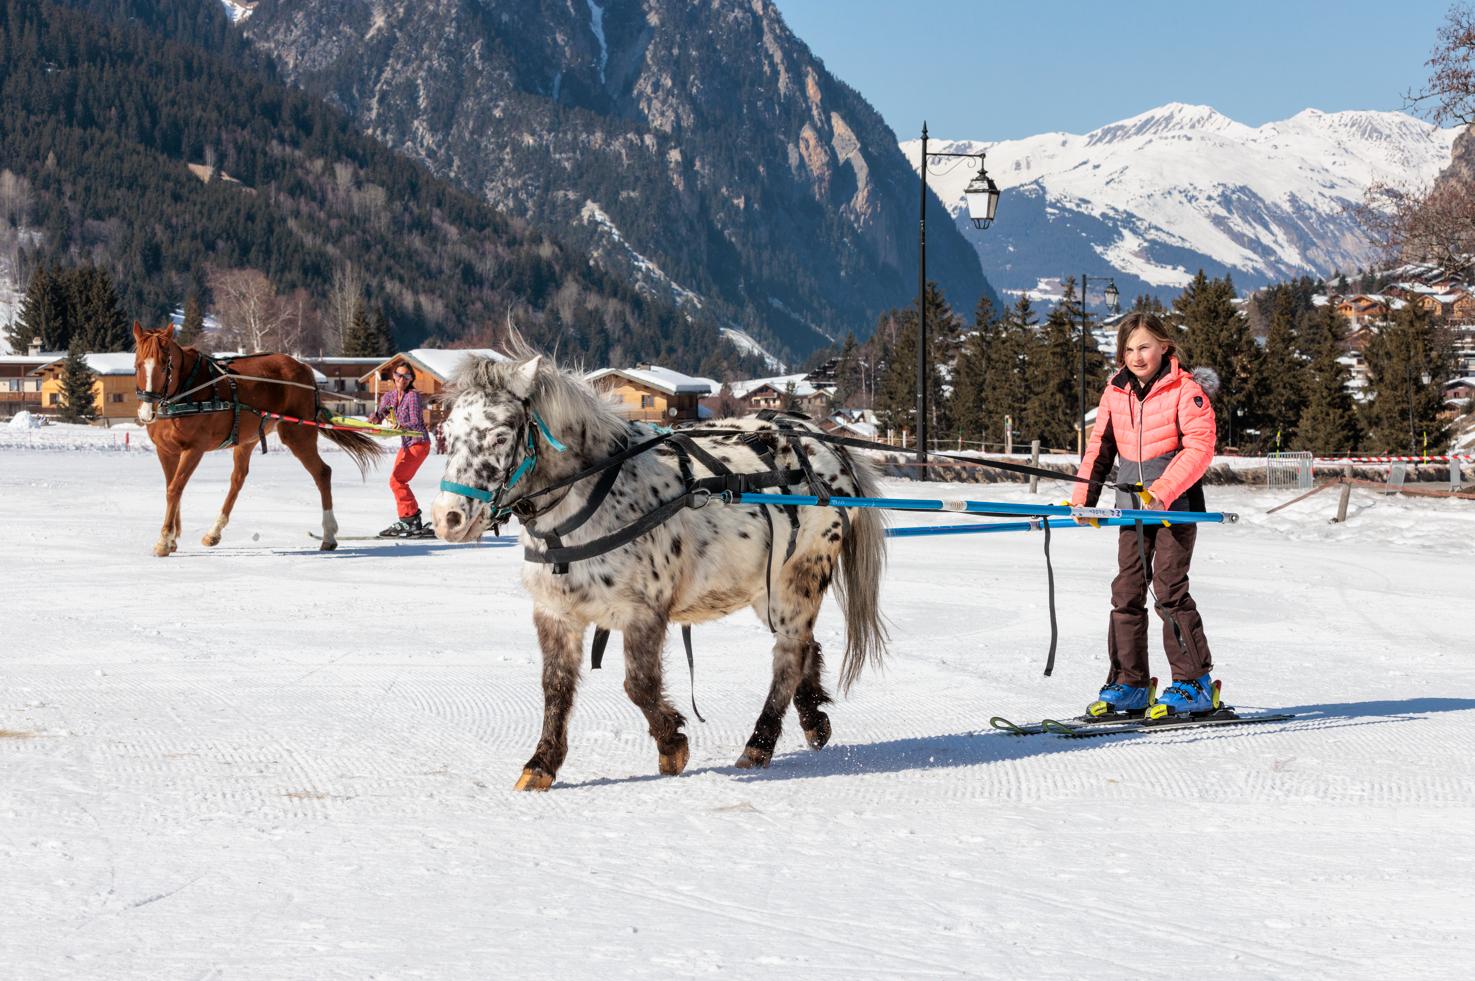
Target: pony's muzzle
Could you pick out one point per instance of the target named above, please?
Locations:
(456, 518)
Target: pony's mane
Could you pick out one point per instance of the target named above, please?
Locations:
(561, 395)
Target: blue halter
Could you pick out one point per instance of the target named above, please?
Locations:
(529, 460)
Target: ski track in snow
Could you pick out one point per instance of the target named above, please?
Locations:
(262, 761)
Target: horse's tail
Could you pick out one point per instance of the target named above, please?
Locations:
(858, 582)
(362, 448)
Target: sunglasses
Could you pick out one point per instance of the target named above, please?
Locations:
(404, 376)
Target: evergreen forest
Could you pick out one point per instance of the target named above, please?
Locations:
(164, 166)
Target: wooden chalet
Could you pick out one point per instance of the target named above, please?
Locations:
(114, 391)
(20, 386)
(650, 393)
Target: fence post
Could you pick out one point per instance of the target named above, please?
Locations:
(1034, 459)
(1008, 435)
(1455, 477)
(1342, 504)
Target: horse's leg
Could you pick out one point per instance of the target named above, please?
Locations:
(169, 460)
(303, 442)
(793, 607)
(242, 455)
(188, 460)
(810, 695)
(643, 643)
(562, 640)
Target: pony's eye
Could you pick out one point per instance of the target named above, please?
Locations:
(501, 440)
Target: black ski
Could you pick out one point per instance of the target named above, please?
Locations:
(1082, 727)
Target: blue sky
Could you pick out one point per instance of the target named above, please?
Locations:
(991, 71)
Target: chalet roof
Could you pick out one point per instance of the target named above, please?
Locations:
(42, 358)
(121, 363)
(661, 379)
(779, 383)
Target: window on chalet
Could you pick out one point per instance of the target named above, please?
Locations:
(115, 397)
(647, 401)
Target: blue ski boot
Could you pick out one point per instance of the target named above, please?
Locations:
(1185, 698)
(1122, 700)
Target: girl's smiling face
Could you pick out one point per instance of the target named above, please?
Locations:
(1144, 354)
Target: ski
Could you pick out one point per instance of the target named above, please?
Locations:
(1084, 726)
(369, 538)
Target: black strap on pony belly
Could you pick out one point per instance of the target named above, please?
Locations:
(1162, 611)
(691, 667)
(1050, 578)
(553, 538)
(596, 653)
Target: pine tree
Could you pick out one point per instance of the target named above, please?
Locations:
(360, 341)
(1284, 372)
(1329, 424)
(43, 314)
(1399, 352)
(897, 402)
(847, 373)
(95, 311)
(383, 334)
(1216, 335)
(78, 401)
(194, 322)
(970, 374)
(1052, 412)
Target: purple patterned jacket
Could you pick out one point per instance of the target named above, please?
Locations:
(403, 411)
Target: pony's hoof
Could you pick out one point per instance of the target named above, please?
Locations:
(327, 546)
(675, 762)
(532, 779)
(210, 541)
(819, 735)
(753, 758)
(162, 551)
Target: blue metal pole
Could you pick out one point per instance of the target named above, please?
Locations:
(997, 507)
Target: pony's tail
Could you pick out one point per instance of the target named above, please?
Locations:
(858, 581)
(363, 449)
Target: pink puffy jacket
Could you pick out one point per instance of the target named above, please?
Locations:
(1165, 442)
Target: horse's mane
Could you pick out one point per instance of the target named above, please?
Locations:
(561, 395)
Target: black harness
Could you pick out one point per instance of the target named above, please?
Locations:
(216, 370)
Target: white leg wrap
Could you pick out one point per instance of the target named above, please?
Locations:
(330, 526)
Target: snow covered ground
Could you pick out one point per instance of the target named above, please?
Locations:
(262, 761)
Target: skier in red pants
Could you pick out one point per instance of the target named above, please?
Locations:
(404, 409)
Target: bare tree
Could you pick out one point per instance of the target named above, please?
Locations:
(251, 314)
(1449, 94)
(344, 296)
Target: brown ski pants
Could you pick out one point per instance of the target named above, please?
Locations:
(1169, 551)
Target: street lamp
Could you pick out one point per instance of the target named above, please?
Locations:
(982, 195)
(1113, 303)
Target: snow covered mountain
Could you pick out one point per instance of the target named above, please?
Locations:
(1153, 198)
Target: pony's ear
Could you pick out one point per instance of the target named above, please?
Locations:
(137, 333)
(169, 331)
(521, 382)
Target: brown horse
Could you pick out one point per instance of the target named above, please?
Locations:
(203, 408)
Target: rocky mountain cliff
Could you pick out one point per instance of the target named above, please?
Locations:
(697, 148)
(1152, 199)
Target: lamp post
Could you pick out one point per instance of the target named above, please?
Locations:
(982, 195)
(1113, 303)
(1408, 372)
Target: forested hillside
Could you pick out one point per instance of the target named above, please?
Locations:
(100, 120)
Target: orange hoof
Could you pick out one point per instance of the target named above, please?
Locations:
(676, 762)
(210, 541)
(753, 758)
(534, 780)
(819, 735)
(327, 546)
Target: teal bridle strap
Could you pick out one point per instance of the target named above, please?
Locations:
(529, 460)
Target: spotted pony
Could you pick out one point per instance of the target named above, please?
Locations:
(504, 434)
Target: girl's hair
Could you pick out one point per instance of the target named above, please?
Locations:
(1149, 323)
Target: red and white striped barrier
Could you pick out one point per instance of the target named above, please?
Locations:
(1389, 459)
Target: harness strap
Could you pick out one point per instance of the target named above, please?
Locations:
(596, 654)
(816, 486)
(691, 667)
(626, 535)
(554, 536)
(1050, 577)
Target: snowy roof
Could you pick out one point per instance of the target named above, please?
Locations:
(438, 361)
(99, 364)
(44, 357)
(662, 379)
(780, 383)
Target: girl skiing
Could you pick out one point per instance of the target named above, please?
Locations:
(404, 409)
(1156, 420)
